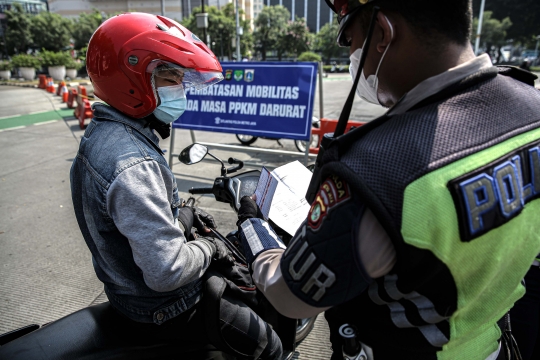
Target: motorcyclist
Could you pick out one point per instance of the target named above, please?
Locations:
(125, 195)
(424, 221)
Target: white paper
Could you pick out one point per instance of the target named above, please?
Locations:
(281, 195)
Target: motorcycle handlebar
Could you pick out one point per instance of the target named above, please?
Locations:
(190, 202)
(203, 190)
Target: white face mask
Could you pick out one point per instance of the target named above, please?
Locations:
(367, 88)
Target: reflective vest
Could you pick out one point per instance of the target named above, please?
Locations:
(455, 182)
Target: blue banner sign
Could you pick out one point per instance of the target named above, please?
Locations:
(272, 99)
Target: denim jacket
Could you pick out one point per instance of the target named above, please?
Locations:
(126, 203)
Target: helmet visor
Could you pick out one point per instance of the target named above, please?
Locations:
(198, 79)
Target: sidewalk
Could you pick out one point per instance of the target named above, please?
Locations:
(34, 83)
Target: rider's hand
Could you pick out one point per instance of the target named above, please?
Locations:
(194, 217)
(203, 221)
(222, 255)
(248, 209)
(185, 217)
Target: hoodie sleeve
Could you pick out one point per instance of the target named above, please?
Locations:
(139, 202)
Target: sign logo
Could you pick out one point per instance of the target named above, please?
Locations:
(228, 74)
(238, 75)
(249, 75)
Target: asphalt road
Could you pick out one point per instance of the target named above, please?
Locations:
(45, 266)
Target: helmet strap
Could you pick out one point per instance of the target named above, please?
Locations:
(346, 112)
(343, 117)
(164, 130)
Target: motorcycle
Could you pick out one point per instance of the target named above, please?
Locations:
(100, 332)
(337, 68)
(300, 144)
(230, 190)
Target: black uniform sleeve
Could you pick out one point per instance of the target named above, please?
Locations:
(321, 265)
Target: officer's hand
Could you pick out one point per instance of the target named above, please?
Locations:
(248, 209)
(202, 221)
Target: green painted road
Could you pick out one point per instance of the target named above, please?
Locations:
(30, 119)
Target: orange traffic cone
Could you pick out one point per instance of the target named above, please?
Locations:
(61, 84)
(50, 85)
(64, 93)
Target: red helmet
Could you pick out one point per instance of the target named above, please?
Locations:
(125, 50)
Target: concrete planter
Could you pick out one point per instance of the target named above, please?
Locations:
(5, 74)
(57, 72)
(71, 73)
(28, 73)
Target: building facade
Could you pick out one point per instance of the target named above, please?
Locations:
(72, 8)
(316, 13)
(29, 6)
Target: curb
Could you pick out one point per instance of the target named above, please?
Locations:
(71, 84)
(18, 84)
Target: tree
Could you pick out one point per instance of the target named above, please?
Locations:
(326, 44)
(309, 56)
(524, 13)
(270, 26)
(84, 27)
(246, 40)
(18, 32)
(222, 30)
(493, 32)
(51, 31)
(295, 40)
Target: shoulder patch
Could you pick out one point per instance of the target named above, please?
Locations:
(492, 195)
(332, 193)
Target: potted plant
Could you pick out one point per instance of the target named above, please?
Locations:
(27, 65)
(56, 62)
(72, 68)
(5, 70)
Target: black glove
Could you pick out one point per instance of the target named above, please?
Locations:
(195, 217)
(185, 216)
(248, 209)
(203, 220)
(222, 254)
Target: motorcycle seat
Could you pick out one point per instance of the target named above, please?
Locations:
(96, 332)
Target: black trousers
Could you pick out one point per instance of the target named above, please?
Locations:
(525, 317)
(241, 328)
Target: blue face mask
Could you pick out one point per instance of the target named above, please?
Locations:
(173, 103)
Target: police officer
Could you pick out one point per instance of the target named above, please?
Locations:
(424, 221)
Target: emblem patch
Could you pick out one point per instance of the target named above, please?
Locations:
(238, 75)
(331, 193)
(249, 75)
(228, 74)
(316, 213)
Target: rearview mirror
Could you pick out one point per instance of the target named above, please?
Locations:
(193, 154)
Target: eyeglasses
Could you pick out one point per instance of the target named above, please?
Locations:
(171, 75)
